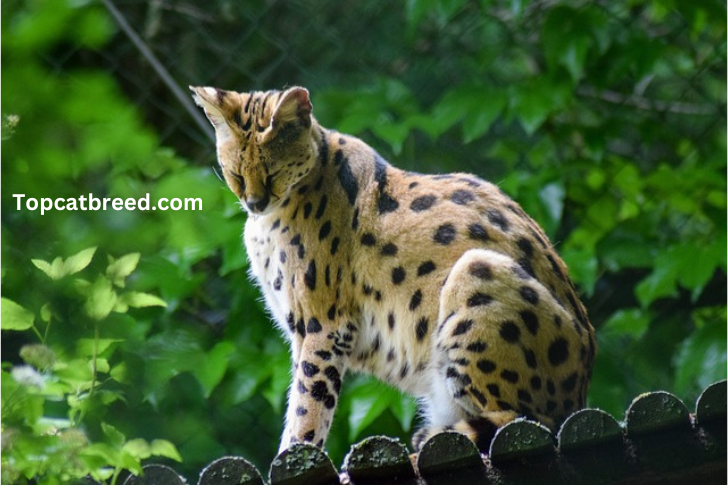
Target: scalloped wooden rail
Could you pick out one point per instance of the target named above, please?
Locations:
(659, 439)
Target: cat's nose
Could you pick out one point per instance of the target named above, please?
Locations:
(257, 203)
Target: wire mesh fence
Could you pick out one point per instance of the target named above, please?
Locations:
(162, 46)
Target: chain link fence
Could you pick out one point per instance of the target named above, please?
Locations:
(162, 46)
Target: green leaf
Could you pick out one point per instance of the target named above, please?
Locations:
(138, 448)
(633, 322)
(533, 102)
(60, 269)
(119, 269)
(583, 267)
(368, 402)
(85, 346)
(213, 366)
(552, 196)
(114, 437)
(477, 106)
(100, 299)
(166, 449)
(14, 316)
(53, 270)
(701, 359)
(101, 454)
(46, 313)
(77, 262)
(137, 299)
(659, 284)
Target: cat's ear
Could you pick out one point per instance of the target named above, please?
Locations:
(294, 105)
(219, 105)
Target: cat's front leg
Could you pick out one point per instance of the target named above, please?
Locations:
(319, 366)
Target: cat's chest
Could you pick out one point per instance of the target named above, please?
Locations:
(271, 256)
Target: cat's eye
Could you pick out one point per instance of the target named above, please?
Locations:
(239, 179)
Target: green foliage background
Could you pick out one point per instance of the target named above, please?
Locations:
(605, 120)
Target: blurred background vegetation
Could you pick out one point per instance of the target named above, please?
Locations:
(605, 120)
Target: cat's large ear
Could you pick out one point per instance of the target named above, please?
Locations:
(294, 105)
(219, 105)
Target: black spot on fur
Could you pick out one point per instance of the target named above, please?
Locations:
(445, 234)
(493, 390)
(324, 149)
(569, 384)
(462, 197)
(307, 208)
(387, 204)
(524, 396)
(481, 270)
(558, 351)
(479, 396)
(525, 246)
(334, 245)
(415, 300)
(389, 249)
(486, 366)
(477, 346)
(529, 295)
(497, 218)
(478, 233)
(346, 179)
(335, 377)
(310, 276)
(309, 369)
(535, 383)
(530, 358)
(398, 275)
(323, 354)
(368, 239)
(321, 207)
(462, 327)
(479, 299)
(390, 320)
(426, 268)
(510, 332)
(423, 203)
(421, 329)
(313, 325)
(530, 320)
(325, 230)
(509, 375)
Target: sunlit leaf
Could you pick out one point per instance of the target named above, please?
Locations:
(77, 262)
(165, 449)
(14, 316)
(100, 299)
(137, 299)
(119, 269)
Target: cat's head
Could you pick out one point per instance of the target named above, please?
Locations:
(265, 141)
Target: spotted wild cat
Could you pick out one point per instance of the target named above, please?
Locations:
(439, 285)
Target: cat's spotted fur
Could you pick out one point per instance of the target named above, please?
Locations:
(440, 285)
